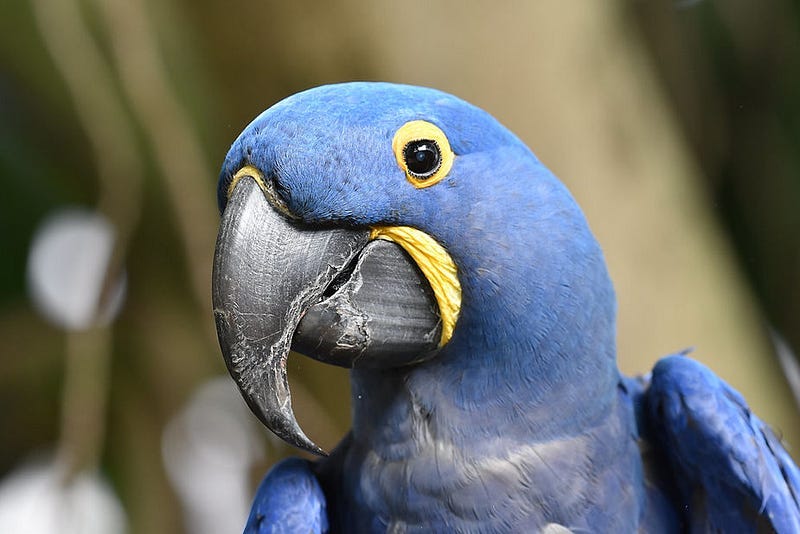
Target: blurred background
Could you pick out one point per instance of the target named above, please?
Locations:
(676, 125)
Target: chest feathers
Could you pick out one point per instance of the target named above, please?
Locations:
(427, 469)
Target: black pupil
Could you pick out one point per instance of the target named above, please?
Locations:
(422, 157)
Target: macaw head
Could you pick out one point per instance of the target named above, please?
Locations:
(374, 225)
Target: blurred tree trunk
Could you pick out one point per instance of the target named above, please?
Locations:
(732, 73)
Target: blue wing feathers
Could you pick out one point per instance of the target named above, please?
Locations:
(288, 500)
(733, 474)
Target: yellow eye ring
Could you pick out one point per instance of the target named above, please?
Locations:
(423, 153)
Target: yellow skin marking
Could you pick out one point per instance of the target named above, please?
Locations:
(247, 170)
(276, 201)
(432, 259)
(437, 266)
(415, 131)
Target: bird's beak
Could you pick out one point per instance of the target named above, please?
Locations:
(337, 295)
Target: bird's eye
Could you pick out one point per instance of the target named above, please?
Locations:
(423, 152)
(422, 158)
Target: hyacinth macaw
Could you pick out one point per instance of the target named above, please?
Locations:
(406, 234)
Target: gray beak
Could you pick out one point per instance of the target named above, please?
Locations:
(330, 293)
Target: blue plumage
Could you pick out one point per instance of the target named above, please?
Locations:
(522, 421)
(289, 500)
(730, 469)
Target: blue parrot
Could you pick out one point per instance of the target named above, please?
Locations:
(405, 234)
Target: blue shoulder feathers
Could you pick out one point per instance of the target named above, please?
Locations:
(289, 500)
(732, 472)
